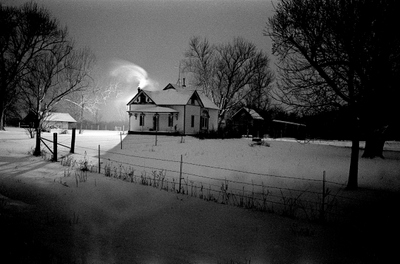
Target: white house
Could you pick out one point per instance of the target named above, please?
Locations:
(171, 110)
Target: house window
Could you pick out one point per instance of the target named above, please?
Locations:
(192, 121)
(204, 119)
(203, 122)
(141, 121)
(170, 120)
(142, 99)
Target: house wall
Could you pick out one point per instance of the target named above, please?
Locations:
(183, 124)
(163, 124)
(55, 124)
(195, 111)
(213, 121)
(134, 122)
(180, 122)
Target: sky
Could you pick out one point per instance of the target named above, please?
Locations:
(148, 38)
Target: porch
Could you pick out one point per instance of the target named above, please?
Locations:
(152, 119)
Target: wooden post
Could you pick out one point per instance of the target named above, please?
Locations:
(72, 150)
(120, 137)
(180, 175)
(322, 213)
(54, 146)
(99, 159)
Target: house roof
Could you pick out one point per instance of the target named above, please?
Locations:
(51, 116)
(169, 97)
(60, 117)
(151, 108)
(253, 114)
(173, 95)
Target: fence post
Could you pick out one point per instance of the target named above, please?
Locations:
(54, 146)
(322, 212)
(180, 175)
(99, 159)
(120, 137)
(72, 150)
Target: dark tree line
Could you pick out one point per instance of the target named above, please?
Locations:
(339, 54)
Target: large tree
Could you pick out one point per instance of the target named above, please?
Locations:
(52, 68)
(228, 73)
(340, 53)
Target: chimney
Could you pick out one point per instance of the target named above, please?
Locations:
(138, 89)
(183, 82)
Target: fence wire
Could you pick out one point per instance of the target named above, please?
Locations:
(311, 202)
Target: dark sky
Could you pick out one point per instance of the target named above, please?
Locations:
(153, 34)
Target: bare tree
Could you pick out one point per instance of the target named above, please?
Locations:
(53, 74)
(260, 91)
(91, 100)
(227, 73)
(200, 60)
(25, 32)
(338, 53)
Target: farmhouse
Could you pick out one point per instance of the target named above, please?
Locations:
(173, 110)
(248, 122)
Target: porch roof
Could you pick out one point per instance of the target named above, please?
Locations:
(151, 109)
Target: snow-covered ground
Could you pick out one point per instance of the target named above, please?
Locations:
(108, 220)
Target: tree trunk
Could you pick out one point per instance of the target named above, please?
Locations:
(37, 126)
(37, 151)
(2, 110)
(352, 183)
(374, 144)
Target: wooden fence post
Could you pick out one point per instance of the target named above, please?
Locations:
(180, 175)
(72, 150)
(99, 159)
(54, 146)
(322, 212)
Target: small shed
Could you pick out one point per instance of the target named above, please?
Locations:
(248, 122)
(58, 120)
(53, 120)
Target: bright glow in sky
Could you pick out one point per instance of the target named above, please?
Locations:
(153, 35)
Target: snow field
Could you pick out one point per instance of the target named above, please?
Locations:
(286, 177)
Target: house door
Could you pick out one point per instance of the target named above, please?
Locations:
(156, 126)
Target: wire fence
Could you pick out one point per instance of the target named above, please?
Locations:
(296, 197)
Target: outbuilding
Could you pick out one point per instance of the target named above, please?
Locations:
(53, 120)
(248, 122)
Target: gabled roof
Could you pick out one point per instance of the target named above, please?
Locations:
(253, 114)
(173, 95)
(59, 117)
(207, 102)
(170, 97)
(51, 116)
